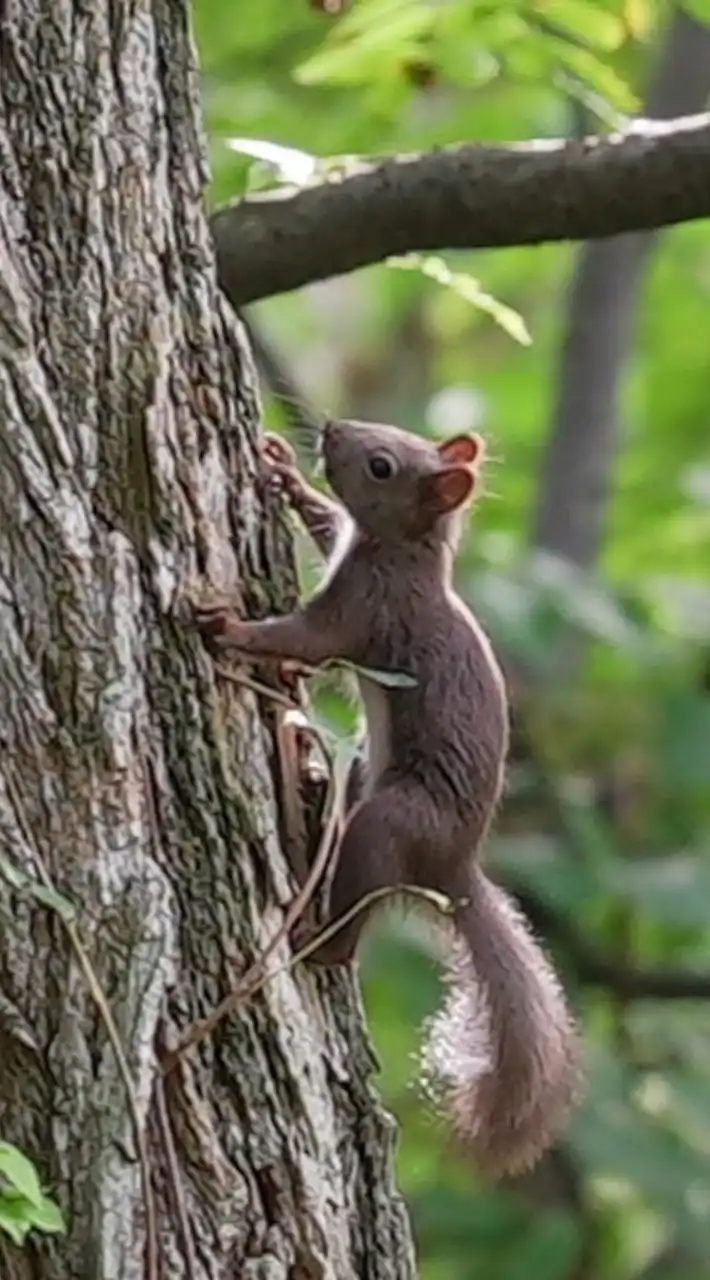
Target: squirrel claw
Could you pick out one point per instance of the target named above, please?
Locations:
(280, 475)
(276, 450)
(212, 622)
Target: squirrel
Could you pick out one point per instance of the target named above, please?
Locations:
(505, 1045)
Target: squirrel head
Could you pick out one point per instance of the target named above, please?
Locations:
(395, 484)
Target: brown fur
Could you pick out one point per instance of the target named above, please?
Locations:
(419, 810)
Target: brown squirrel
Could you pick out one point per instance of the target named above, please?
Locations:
(504, 1044)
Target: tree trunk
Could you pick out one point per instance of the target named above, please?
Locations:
(581, 452)
(139, 784)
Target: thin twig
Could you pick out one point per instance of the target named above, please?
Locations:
(256, 686)
(258, 976)
(175, 1181)
(438, 900)
(255, 977)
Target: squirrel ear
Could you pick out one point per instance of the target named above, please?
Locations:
(465, 449)
(448, 489)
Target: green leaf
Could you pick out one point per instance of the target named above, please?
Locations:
(638, 18)
(48, 1217)
(593, 102)
(345, 752)
(379, 48)
(20, 1173)
(588, 22)
(14, 877)
(388, 679)
(595, 73)
(467, 288)
(25, 884)
(13, 1219)
(361, 18)
(54, 900)
(292, 165)
(538, 862)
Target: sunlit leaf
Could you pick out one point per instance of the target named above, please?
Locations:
(291, 165)
(595, 104)
(49, 897)
(20, 1173)
(389, 679)
(48, 1217)
(379, 48)
(638, 17)
(13, 1219)
(361, 17)
(593, 71)
(468, 288)
(591, 23)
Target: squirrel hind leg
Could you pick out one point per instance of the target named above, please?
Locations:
(373, 855)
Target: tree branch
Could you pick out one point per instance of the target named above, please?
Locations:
(594, 968)
(470, 197)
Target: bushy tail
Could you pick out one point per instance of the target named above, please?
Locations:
(505, 1045)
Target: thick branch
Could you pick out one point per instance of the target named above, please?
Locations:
(470, 197)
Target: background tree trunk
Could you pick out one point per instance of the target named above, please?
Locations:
(586, 429)
(127, 465)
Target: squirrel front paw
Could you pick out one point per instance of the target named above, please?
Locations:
(276, 450)
(218, 626)
(280, 474)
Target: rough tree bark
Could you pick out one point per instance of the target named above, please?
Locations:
(142, 788)
(586, 430)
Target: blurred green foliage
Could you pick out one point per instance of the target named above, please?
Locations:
(605, 833)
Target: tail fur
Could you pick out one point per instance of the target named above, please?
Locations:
(505, 1045)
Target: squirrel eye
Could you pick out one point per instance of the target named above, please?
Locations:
(381, 466)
